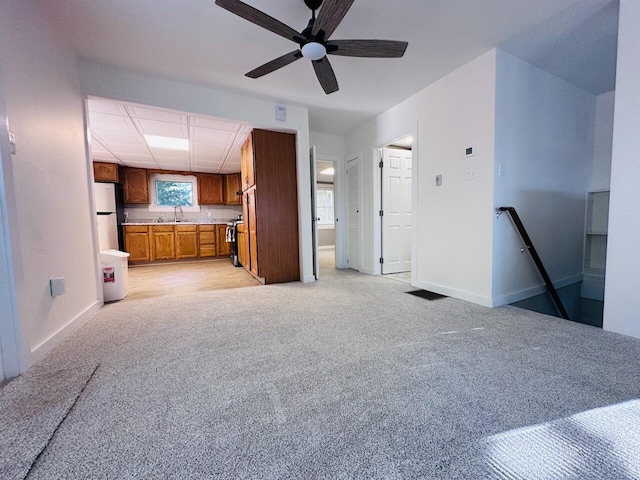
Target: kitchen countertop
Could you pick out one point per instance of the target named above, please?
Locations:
(220, 222)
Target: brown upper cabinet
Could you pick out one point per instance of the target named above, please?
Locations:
(210, 189)
(232, 189)
(247, 163)
(136, 185)
(105, 172)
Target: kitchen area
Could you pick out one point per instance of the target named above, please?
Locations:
(176, 194)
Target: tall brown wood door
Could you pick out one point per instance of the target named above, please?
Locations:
(247, 164)
(253, 231)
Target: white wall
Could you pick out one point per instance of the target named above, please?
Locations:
(600, 174)
(327, 145)
(46, 182)
(544, 152)
(622, 302)
(453, 223)
(102, 81)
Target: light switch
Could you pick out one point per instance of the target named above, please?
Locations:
(438, 180)
(57, 286)
(281, 113)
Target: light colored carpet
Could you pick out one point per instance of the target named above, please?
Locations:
(345, 378)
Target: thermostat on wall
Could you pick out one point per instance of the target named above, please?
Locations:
(281, 113)
(469, 152)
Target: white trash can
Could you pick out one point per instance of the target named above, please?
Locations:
(115, 274)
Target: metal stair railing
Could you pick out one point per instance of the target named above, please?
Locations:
(536, 258)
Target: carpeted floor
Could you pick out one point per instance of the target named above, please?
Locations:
(349, 377)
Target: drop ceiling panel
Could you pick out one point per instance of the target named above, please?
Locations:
(203, 149)
(135, 157)
(240, 139)
(117, 129)
(161, 115)
(208, 169)
(114, 140)
(96, 146)
(104, 122)
(105, 106)
(174, 166)
(162, 129)
(170, 155)
(215, 124)
(103, 156)
(209, 135)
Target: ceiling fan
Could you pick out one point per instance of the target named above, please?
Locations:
(314, 40)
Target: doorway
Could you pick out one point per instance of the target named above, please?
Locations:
(396, 214)
(325, 212)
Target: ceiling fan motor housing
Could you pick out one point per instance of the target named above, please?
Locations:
(313, 4)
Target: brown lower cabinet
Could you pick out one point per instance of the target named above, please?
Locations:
(207, 240)
(242, 246)
(186, 239)
(221, 239)
(136, 242)
(164, 242)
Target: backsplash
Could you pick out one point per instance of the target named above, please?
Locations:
(207, 214)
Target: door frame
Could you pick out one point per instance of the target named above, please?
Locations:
(14, 349)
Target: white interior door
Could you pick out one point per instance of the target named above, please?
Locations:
(396, 210)
(353, 214)
(314, 213)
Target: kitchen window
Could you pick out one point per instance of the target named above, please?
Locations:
(167, 191)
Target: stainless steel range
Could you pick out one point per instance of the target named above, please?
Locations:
(232, 239)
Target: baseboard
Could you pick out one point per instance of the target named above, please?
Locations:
(454, 293)
(40, 350)
(533, 291)
(309, 279)
(327, 247)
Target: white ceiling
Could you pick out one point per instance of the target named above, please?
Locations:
(117, 131)
(197, 42)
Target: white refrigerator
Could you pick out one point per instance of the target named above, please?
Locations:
(107, 216)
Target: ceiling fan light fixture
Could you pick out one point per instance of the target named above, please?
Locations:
(314, 51)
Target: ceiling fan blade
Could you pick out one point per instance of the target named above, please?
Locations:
(325, 75)
(367, 48)
(331, 14)
(260, 18)
(274, 65)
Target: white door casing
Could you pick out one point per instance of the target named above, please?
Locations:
(314, 213)
(396, 210)
(353, 214)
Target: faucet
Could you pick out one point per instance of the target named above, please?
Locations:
(175, 213)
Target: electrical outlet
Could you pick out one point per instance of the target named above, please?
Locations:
(209, 214)
(438, 180)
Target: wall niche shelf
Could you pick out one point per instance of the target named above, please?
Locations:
(597, 220)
